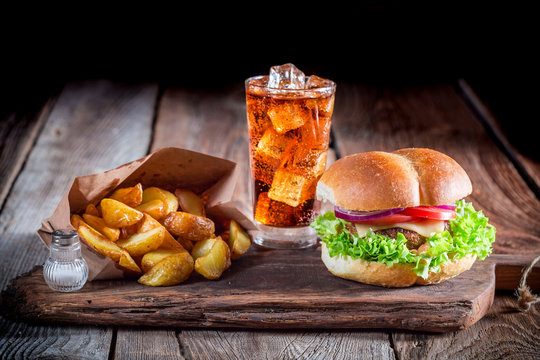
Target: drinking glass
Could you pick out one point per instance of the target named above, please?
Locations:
(289, 130)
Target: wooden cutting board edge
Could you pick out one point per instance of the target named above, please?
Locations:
(509, 270)
(505, 274)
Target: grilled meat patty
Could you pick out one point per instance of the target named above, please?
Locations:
(414, 239)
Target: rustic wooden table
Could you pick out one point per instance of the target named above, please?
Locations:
(93, 126)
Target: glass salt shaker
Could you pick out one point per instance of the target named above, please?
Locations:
(65, 270)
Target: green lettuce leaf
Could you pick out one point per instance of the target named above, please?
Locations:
(470, 233)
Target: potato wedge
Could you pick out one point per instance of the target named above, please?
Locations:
(213, 264)
(76, 221)
(201, 248)
(127, 262)
(128, 231)
(141, 243)
(239, 240)
(99, 224)
(92, 210)
(117, 214)
(155, 208)
(131, 196)
(172, 270)
(99, 242)
(148, 223)
(187, 244)
(169, 242)
(189, 226)
(153, 193)
(153, 257)
(190, 202)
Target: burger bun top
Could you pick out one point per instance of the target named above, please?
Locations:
(403, 178)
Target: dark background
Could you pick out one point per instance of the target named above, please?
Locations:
(382, 43)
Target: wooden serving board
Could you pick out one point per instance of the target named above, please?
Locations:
(274, 289)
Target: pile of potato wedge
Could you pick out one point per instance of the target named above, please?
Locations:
(160, 235)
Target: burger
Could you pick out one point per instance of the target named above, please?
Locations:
(398, 219)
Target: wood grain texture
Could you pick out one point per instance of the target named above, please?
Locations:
(94, 126)
(213, 123)
(23, 341)
(242, 344)
(504, 333)
(532, 166)
(368, 119)
(509, 271)
(18, 132)
(258, 292)
(140, 343)
(528, 168)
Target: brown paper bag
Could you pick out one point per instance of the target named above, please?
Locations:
(168, 168)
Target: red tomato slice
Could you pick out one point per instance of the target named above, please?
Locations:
(390, 219)
(429, 212)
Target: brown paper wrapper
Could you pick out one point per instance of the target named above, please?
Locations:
(168, 168)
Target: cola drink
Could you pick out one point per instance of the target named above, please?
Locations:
(289, 129)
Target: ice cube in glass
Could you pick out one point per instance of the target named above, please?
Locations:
(289, 188)
(273, 144)
(286, 76)
(287, 116)
(315, 81)
(311, 163)
(272, 212)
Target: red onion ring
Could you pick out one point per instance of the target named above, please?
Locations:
(351, 215)
(447, 207)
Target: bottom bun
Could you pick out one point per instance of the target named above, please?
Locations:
(398, 275)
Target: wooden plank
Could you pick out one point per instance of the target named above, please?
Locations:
(22, 341)
(532, 167)
(94, 126)
(368, 119)
(136, 343)
(18, 132)
(527, 167)
(259, 292)
(503, 333)
(213, 123)
(233, 344)
(509, 270)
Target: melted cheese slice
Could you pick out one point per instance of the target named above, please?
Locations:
(424, 228)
